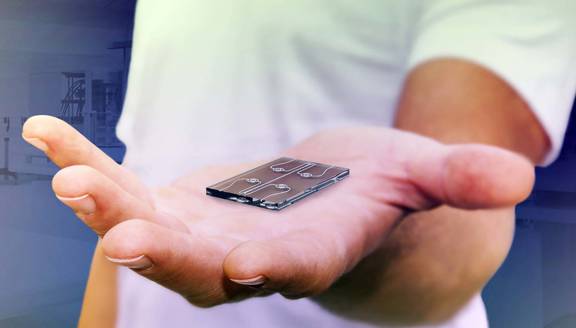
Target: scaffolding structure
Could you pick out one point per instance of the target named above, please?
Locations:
(74, 101)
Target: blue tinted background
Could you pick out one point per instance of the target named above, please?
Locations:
(63, 57)
(536, 287)
(57, 57)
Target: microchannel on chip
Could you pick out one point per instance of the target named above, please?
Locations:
(278, 184)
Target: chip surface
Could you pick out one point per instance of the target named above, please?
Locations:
(278, 184)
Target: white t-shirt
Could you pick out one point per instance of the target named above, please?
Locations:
(214, 81)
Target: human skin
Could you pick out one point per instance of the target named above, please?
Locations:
(434, 261)
(195, 244)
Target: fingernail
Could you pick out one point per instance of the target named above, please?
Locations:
(84, 204)
(137, 263)
(256, 281)
(38, 143)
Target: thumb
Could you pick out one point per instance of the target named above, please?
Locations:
(471, 176)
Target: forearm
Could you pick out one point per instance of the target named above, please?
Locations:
(428, 267)
(99, 306)
(435, 261)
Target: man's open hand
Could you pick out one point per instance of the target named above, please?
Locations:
(212, 251)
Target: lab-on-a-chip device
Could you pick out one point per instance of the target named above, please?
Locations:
(278, 184)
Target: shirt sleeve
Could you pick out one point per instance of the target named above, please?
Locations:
(530, 44)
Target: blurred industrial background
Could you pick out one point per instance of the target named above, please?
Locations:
(69, 58)
(536, 286)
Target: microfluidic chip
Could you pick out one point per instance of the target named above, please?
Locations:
(278, 184)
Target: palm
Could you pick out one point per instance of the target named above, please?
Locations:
(197, 243)
(186, 199)
(355, 213)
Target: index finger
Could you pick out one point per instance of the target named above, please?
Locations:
(65, 146)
